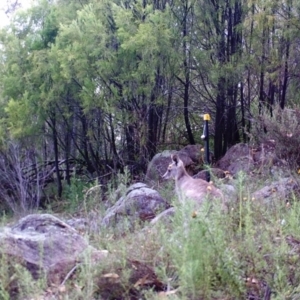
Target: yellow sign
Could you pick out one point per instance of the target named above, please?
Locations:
(206, 117)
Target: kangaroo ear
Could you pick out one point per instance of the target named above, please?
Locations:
(175, 158)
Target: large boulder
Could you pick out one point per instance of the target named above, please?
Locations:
(193, 152)
(45, 245)
(237, 158)
(140, 203)
(261, 160)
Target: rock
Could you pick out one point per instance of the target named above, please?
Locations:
(80, 224)
(241, 164)
(46, 245)
(136, 186)
(237, 158)
(139, 203)
(164, 216)
(215, 172)
(193, 152)
(261, 160)
(281, 190)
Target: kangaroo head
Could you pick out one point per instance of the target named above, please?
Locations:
(174, 167)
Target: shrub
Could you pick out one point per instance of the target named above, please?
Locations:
(282, 126)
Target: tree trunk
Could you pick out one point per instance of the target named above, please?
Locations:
(52, 124)
(186, 54)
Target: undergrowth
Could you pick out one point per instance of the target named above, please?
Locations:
(280, 126)
(250, 252)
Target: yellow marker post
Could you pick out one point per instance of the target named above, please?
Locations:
(205, 137)
(206, 117)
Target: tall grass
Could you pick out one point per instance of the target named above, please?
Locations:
(199, 250)
(203, 253)
(238, 254)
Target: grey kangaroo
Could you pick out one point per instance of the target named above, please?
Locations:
(188, 187)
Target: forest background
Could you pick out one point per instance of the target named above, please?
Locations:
(88, 88)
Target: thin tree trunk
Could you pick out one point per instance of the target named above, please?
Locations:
(285, 76)
(56, 155)
(186, 54)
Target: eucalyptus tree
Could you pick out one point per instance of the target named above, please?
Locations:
(146, 51)
(119, 57)
(183, 20)
(227, 17)
(215, 70)
(33, 93)
(273, 40)
(19, 119)
(291, 17)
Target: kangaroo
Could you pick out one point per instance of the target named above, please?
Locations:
(189, 187)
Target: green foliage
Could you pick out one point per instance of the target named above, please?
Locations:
(204, 261)
(75, 192)
(118, 185)
(15, 280)
(128, 59)
(215, 254)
